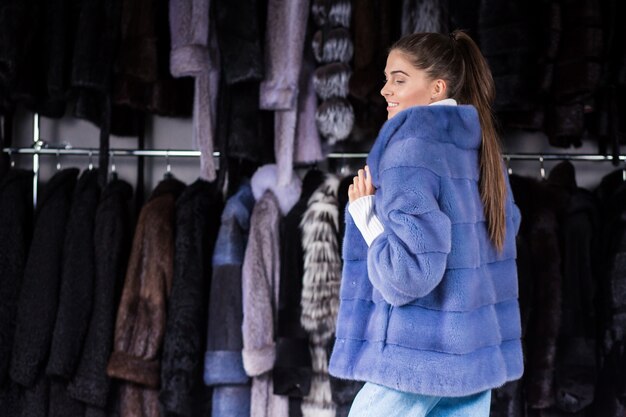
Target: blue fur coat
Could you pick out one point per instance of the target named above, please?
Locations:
(431, 307)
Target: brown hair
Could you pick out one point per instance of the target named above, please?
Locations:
(457, 60)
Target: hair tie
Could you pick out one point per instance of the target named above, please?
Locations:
(452, 36)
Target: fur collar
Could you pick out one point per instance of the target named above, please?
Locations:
(266, 178)
(456, 125)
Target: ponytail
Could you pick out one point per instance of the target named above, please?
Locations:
(478, 89)
(457, 60)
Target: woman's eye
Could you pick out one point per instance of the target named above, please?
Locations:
(399, 81)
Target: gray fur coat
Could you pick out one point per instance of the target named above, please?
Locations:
(260, 285)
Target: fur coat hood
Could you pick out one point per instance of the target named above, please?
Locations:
(266, 178)
(411, 315)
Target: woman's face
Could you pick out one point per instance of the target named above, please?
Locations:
(407, 86)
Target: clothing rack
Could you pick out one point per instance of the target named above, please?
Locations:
(40, 147)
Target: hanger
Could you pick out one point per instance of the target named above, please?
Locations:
(90, 166)
(168, 168)
(508, 165)
(11, 160)
(113, 169)
(58, 160)
(542, 170)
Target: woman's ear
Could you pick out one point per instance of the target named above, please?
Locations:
(438, 90)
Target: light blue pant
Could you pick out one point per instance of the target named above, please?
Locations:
(378, 401)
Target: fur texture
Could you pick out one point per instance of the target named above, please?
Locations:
(332, 12)
(141, 317)
(422, 16)
(223, 362)
(195, 54)
(284, 44)
(142, 78)
(320, 289)
(430, 307)
(335, 119)
(540, 284)
(308, 148)
(260, 288)
(239, 35)
(332, 80)
(15, 233)
(292, 371)
(334, 46)
(112, 236)
(198, 212)
(77, 280)
(266, 178)
(38, 300)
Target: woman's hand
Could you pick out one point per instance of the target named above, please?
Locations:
(362, 185)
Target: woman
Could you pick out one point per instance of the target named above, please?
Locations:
(429, 313)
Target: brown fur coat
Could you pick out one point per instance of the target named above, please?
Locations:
(141, 317)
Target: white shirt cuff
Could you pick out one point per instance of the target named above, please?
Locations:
(362, 211)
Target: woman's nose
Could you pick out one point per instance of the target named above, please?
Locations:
(385, 91)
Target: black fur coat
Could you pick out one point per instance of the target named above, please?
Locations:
(15, 231)
(111, 237)
(38, 301)
(198, 212)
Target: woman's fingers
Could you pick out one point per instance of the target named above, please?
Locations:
(361, 185)
(369, 188)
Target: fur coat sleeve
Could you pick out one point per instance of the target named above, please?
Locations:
(284, 44)
(140, 324)
(408, 259)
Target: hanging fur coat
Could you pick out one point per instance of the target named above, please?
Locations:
(577, 72)
(38, 301)
(375, 28)
(16, 206)
(77, 280)
(142, 78)
(260, 288)
(576, 369)
(141, 317)
(223, 363)
(284, 45)
(292, 370)
(540, 284)
(195, 54)
(198, 212)
(424, 16)
(111, 237)
(519, 41)
(320, 290)
(16, 223)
